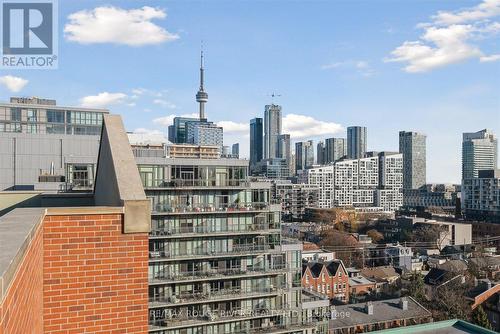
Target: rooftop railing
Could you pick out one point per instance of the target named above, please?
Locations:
(198, 183)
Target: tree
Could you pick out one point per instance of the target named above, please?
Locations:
(449, 299)
(480, 318)
(375, 235)
(345, 246)
(430, 234)
(416, 287)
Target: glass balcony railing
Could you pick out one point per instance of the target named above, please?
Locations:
(197, 183)
(171, 231)
(199, 208)
(215, 273)
(235, 249)
(183, 319)
(211, 295)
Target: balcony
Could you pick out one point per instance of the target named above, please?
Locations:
(183, 184)
(204, 253)
(165, 208)
(199, 297)
(215, 274)
(170, 321)
(279, 328)
(202, 231)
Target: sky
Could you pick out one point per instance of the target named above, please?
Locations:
(426, 66)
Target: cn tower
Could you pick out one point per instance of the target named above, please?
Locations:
(201, 96)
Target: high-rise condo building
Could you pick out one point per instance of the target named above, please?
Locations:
(284, 151)
(320, 153)
(481, 196)
(272, 130)
(304, 155)
(371, 183)
(44, 146)
(356, 142)
(256, 144)
(335, 149)
(217, 262)
(235, 150)
(412, 146)
(479, 152)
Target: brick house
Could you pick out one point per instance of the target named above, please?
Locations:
(329, 278)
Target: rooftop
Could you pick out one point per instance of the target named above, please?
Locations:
(441, 327)
(384, 310)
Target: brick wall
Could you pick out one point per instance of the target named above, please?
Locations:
(95, 277)
(23, 304)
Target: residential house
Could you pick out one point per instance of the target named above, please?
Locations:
(329, 278)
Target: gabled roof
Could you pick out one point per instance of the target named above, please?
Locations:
(316, 267)
(435, 276)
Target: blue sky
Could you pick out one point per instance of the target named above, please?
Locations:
(428, 66)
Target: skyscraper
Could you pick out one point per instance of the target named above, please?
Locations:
(356, 142)
(320, 153)
(335, 149)
(304, 155)
(235, 150)
(479, 152)
(283, 150)
(256, 144)
(412, 146)
(272, 130)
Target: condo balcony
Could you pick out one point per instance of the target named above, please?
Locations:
(167, 208)
(183, 184)
(201, 297)
(204, 230)
(245, 249)
(291, 327)
(173, 320)
(216, 274)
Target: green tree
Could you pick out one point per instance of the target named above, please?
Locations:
(480, 318)
(416, 287)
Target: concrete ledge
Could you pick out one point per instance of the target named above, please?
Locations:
(17, 229)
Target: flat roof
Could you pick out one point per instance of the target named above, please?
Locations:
(383, 311)
(453, 326)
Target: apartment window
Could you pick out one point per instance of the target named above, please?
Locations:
(55, 116)
(31, 115)
(15, 114)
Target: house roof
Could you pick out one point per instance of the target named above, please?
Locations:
(316, 267)
(380, 273)
(435, 276)
(383, 310)
(454, 266)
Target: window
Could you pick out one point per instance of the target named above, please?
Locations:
(15, 114)
(31, 115)
(55, 116)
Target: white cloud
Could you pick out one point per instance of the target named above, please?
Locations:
(168, 120)
(12, 83)
(102, 100)
(301, 126)
(485, 59)
(115, 25)
(362, 67)
(146, 136)
(233, 127)
(449, 38)
(164, 103)
(485, 10)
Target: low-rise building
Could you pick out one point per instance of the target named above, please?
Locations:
(378, 315)
(329, 278)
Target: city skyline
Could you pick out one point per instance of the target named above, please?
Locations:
(348, 79)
